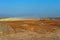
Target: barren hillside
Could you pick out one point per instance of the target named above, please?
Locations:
(39, 26)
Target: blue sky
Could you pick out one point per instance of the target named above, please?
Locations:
(30, 8)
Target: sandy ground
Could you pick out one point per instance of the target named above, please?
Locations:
(30, 30)
(30, 35)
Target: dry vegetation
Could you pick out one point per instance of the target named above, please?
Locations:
(37, 27)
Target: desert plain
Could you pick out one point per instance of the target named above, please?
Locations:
(30, 29)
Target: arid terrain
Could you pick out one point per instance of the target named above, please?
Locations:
(30, 29)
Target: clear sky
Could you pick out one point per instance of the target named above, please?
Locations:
(30, 8)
